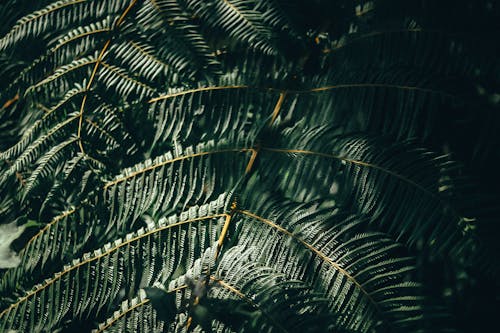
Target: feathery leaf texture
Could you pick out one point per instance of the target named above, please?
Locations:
(241, 165)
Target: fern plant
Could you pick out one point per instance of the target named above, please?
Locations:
(243, 166)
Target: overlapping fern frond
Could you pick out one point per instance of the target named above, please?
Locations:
(238, 166)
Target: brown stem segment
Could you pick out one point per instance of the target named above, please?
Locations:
(225, 228)
(255, 151)
(277, 108)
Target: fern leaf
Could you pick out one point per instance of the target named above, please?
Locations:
(404, 170)
(105, 270)
(192, 172)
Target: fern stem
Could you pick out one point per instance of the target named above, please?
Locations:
(357, 162)
(255, 152)
(180, 158)
(305, 91)
(277, 108)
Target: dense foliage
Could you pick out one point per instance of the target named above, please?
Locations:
(249, 165)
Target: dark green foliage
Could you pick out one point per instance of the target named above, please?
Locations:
(249, 165)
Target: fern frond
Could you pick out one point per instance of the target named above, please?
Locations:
(119, 80)
(182, 33)
(49, 245)
(47, 165)
(143, 61)
(134, 315)
(355, 269)
(242, 295)
(178, 115)
(240, 19)
(59, 79)
(34, 150)
(27, 137)
(191, 173)
(57, 16)
(112, 268)
(75, 44)
(122, 122)
(359, 168)
(282, 304)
